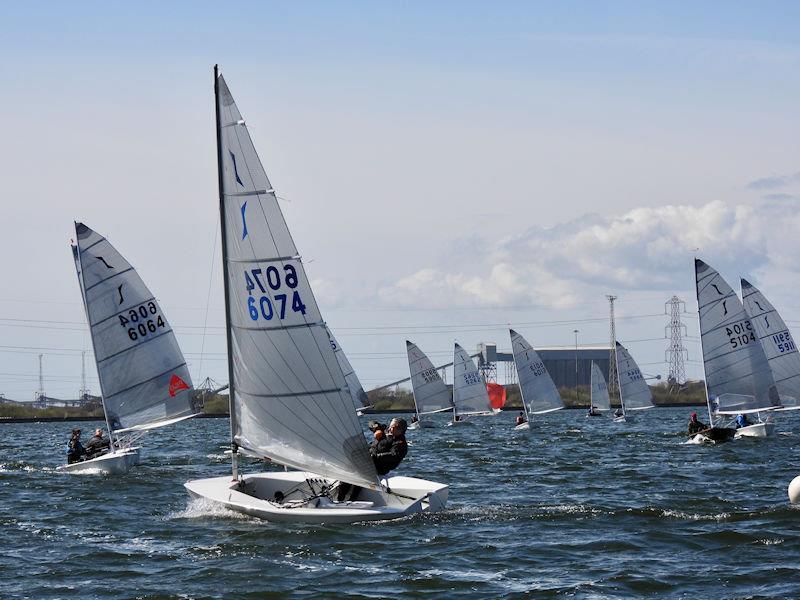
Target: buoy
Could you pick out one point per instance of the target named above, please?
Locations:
(794, 490)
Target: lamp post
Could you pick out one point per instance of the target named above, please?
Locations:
(577, 397)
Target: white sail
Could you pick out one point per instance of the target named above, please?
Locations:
(469, 390)
(357, 393)
(143, 375)
(290, 399)
(634, 392)
(599, 389)
(737, 372)
(777, 342)
(431, 394)
(539, 393)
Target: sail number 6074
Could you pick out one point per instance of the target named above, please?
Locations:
(269, 304)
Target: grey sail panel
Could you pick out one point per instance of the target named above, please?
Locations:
(469, 389)
(431, 394)
(738, 377)
(142, 371)
(599, 389)
(291, 400)
(777, 342)
(634, 392)
(539, 393)
(357, 393)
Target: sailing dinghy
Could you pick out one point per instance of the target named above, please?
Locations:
(777, 343)
(634, 393)
(598, 393)
(144, 381)
(738, 376)
(431, 394)
(290, 403)
(539, 393)
(470, 396)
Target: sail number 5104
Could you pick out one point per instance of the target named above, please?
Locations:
(268, 304)
(740, 334)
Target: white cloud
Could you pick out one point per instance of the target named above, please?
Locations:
(644, 249)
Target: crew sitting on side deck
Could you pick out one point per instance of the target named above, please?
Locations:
(520, 420)
(75, 450)
(98, 445)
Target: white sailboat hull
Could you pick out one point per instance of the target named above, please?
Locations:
(757, 430)
(463, 421)
(423, 424)
(113, 463)
(254, 495)
(622, 419)
(522, 426)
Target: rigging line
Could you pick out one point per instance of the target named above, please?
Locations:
(208, 296)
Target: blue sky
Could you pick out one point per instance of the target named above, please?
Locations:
(447, 167)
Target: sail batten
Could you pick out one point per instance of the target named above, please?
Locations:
(143, 375)
(291, 401)
(738, 376)
(539, 392)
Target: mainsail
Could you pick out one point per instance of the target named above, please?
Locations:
(634, 393)
(777, 342)
(290, 402)
(737, 373)
(539, 393)
(599, 389)
(357, 393)
(431, 394)
(143, 375)
(469, 390)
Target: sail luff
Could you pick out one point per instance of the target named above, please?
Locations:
(225, 279)
(357, 393)
(76, 254)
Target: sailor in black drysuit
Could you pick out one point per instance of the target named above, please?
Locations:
(97, 445)
(75, 451)
(389, 450)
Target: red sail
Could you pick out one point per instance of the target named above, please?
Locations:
(497, 395)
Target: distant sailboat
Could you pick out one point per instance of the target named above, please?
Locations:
(777, 343)
(470, 396)
(431, 394)
(738, 377)
(634, 393)
(598, 399)
(290, 403)
(539, 393)
(144, 380)
(357, 393)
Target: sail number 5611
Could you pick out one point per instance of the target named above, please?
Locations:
(269, 304)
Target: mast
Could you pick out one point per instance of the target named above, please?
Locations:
(231, 389)
(79, 268)
(455, 411)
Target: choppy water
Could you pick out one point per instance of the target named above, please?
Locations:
(576, 507)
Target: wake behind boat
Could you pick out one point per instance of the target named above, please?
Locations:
(290, 403)
(144, 381)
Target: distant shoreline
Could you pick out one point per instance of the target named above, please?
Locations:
(402, 411)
